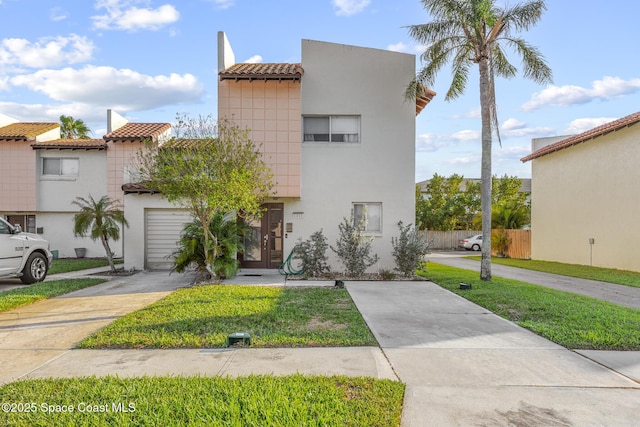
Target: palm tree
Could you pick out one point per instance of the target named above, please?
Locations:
(100, 220)
(475, 32)
(73, 129)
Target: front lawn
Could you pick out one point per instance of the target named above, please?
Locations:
(203, 401)
(19, 297)
(571, 320)
(609, 275)
(204, 316)
(65, 265)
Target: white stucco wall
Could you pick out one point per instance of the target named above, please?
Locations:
(370, 83)
(58, 230)
(589, 191)
(58, 193)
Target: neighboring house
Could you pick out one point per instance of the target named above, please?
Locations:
(585, 187)
(42, 175)
(339, 136)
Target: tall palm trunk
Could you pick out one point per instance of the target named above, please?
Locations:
(485, 173)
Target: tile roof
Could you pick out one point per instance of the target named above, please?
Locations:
(137, 188)
(424, 99)
(268, 71)
(25, 130)
(71, 144)
(137, 132)
(613, 126)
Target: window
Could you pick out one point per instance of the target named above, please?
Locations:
(59, 167)
(369, 216)
(331, 129)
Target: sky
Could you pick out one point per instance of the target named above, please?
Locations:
(149, 60)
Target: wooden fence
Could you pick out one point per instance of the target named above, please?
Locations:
(519, 248)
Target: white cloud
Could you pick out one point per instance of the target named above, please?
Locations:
(511, 124)
(124, 15)
(583, 125)
(350, 7)
(109, 87)
(223, 4)
(474, 113)
(564, 96)
(398, 47)
(255, 59)
(57, 14)
(46, 52)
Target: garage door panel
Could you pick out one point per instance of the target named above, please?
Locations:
(162, 234)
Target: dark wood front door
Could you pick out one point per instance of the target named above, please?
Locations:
(263, 242)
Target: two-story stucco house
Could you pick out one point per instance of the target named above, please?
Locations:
(584, 206)
(339, 136)
(42, 174)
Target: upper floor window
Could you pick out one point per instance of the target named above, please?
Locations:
(59, 167)
(331, 129)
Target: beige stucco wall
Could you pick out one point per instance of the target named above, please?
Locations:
(18, 186)
(119, 158)
(589, 191)
(271, 111)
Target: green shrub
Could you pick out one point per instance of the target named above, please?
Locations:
(354, 249)
(228, 243)
(312, 253)
(408, 249)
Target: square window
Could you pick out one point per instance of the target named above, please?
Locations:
(368, 216)
(60, 167)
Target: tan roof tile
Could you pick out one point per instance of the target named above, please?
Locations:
(72, 144)
(613, 126)
(25, 130)
(268, 71)
(137, 132)
(424, 99)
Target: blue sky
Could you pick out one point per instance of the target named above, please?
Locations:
(150, 59)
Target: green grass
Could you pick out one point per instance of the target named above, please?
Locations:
(609, 275)
(204, 316)
(19, 297)
(65, 265)
(571, 320)
(206, 401)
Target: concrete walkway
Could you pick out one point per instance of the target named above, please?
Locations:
(627, 296)
(462, 364)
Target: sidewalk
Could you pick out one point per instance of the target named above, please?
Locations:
(462, 364)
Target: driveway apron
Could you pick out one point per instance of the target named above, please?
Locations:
(464, 365)
(40, 332)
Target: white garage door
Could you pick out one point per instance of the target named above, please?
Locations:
(162, 233)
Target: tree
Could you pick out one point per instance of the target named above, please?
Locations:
(73, 129)
(446, 207)
(469, 33)
(100, 220)
(207, 168)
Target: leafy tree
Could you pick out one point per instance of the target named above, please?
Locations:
(469, 33)
(100, 219)
(191, 251)
(73, 129)
(446, 207)
(208, 168)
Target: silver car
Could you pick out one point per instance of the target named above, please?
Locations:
(23, 255)
(473, 243)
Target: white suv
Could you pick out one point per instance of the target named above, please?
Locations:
(23, 255)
